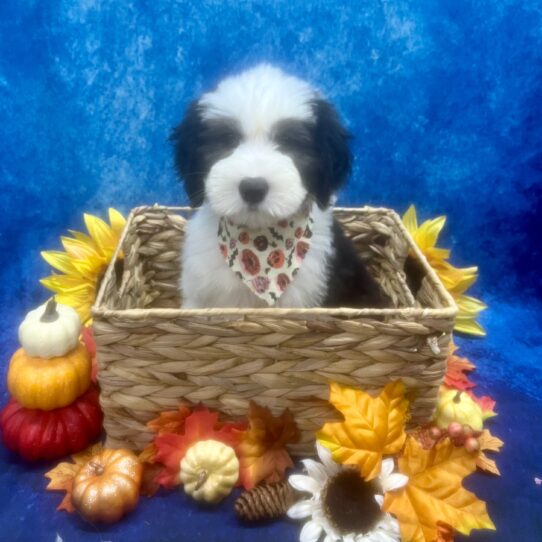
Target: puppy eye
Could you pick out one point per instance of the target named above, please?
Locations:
(221, 134)
(231, 138)
(292, 134)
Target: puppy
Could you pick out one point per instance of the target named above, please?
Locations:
(262, 156)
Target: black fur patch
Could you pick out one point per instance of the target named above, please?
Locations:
(320, 150)
(198, 144)
(349, 283)
(415, 274)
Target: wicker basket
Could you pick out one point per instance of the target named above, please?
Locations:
(152, 355)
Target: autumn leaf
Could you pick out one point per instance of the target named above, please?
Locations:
(456, 372)
(456, 378)
(487, 404)
(445, 533)
(372, 426)
(262, 449)
(61, 477)
(151, 470)
(148, 453)
(149, 485)
(434, 492)
(489, 443)
(170, 422)
(200, 425)
(422, 433)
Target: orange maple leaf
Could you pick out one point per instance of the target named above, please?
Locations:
(170, 422)
(262, 449)
(200, 425)
(434, 492)
(148, 453)
(61, 477)
(490, 443)
(456, 372)
(372, 426)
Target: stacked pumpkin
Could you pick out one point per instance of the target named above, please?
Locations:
(54, 410)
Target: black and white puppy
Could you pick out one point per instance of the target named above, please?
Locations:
(256, 150)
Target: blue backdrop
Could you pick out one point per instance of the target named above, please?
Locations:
(445, 102)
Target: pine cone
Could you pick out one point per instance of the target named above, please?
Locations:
(266, 501)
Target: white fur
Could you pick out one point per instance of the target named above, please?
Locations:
(255, 159)
(257, 99)
(207, 281)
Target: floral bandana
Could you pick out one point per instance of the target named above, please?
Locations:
(266, 259)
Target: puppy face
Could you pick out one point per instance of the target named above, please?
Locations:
(260, 146)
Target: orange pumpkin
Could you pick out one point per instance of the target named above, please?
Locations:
(107, 486)
(46, 384)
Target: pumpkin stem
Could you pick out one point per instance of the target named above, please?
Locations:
(97, 468)
(202, 478)
(457, 397)
(50, 314)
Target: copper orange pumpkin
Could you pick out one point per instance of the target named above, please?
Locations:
(107, 486)
(50, 434)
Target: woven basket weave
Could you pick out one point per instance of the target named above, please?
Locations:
(153, 355)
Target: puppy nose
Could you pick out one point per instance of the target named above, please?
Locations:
(253, 189)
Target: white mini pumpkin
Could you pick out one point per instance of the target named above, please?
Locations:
(50, 331)
(209, 470)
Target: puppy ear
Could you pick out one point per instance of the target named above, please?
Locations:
(187, 156)
(332, 141)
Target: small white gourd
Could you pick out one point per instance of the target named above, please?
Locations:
(209, 470)
(50, 331)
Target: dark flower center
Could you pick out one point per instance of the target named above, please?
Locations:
(349, 503)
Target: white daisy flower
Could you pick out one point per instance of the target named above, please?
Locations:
(343, 506)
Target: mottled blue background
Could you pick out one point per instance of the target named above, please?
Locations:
(444, 99)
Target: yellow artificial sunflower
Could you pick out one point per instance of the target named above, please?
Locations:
(456, 280)
(84, 262)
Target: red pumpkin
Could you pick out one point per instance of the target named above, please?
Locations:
(50, 434)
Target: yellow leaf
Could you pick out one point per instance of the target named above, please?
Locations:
(372, 426)
(61, 477)
(489, 443)
(487, 465)
(434, 492)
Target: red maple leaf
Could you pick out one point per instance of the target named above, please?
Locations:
(200, 425)
(486, 403)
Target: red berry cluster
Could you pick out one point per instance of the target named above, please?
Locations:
(460, 435)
